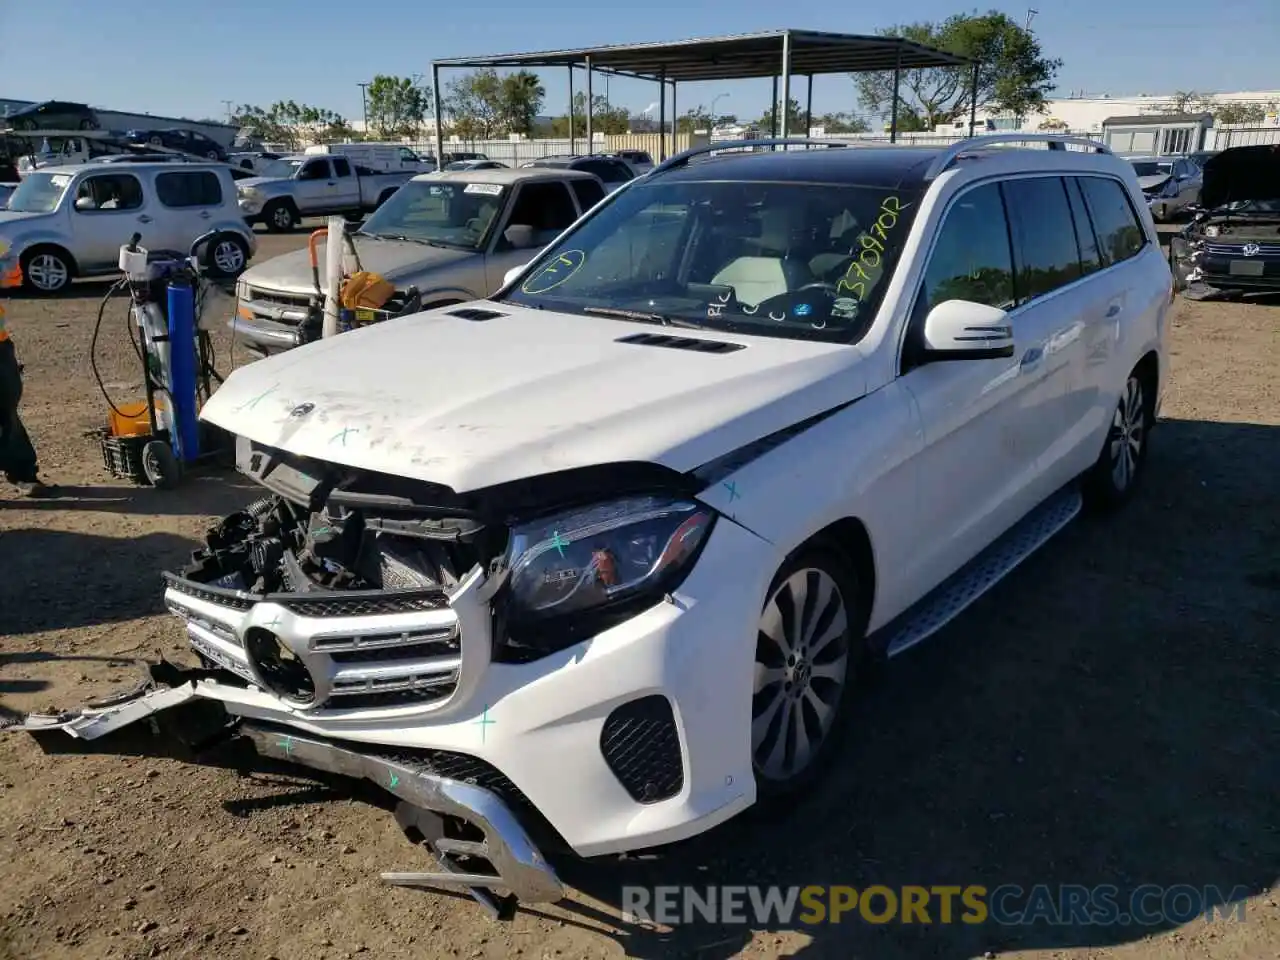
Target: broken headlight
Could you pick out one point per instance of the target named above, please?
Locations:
(592, 567)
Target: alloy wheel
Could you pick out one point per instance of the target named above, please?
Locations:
(228, 257)
(282, 218)
(802, 666)
(47, 273)
(1128, 433)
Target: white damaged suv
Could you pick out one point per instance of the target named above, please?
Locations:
(595, 562)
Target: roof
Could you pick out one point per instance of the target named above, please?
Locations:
(70, 169)
(1159, 119)
(503, 175)
(735, 57)
(865, 166)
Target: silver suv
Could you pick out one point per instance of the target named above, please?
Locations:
(67, 222)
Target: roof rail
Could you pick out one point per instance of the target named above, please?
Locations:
(951, 154)
(681, 159)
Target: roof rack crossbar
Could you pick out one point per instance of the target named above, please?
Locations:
(951, 154)
(681, 159)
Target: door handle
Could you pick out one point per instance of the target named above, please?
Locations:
(332, 183)
(204, 214)
(1113, 311)
(144, 219)
(1031, 359)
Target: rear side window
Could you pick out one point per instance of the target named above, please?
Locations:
(1044, 237)
(189, 188)
(588, 192)
(1090, 260)
(972, 259)
(1117, 227)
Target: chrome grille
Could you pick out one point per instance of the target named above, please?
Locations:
(361, 652)
(1237, 249)
(276, 298)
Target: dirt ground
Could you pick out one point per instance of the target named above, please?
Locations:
(1109, 715)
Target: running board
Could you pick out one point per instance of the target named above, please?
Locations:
(950, 598)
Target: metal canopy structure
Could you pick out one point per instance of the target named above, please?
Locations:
(779, 54)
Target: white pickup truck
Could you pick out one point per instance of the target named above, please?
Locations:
(300, 186)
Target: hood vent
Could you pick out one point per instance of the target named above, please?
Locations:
(681, 343)
(475, 313)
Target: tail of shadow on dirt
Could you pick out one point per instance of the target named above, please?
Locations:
(58, 580)
(1105, 717)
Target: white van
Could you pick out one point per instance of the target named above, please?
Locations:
(384, 157)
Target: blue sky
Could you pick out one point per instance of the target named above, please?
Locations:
(188, 60)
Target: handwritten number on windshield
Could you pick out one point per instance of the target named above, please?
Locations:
(871, 252)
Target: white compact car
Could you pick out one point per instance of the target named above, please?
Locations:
(66, 222)
(595, 563)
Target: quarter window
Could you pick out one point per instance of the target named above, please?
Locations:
(1044, 237)
(1119, 231)
(199, 188)
(972, 259)
(589, 193)
(341, 168)
(547, 207)
(1090, 260)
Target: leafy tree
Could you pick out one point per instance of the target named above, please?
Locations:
(290, 123)
(1234, 111)
(841, 123)
(520, 96)
(1014, 75)
(605, 119)
(696, 118)
(397, 105)
(795, 119)
(474, 104)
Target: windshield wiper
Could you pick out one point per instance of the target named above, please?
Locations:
(400, 236)
(642, 316)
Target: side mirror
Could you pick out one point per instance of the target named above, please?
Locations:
(964, 330)
(511, 274)
(519, 235)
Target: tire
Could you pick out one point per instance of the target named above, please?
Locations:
(1111, 481)
(280, 216)
(226, 256)
(46, 270)
(88, 125)
(155, 142)
(386, 195)
(211, 154)
(160, 465)
(24, 125)
(803, 685)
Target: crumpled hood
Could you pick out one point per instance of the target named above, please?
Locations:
(470, 404)
(1153, 182)
(1241, 173)
(291, 272)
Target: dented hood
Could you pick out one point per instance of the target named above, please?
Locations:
(469, 403)
(1241, 174)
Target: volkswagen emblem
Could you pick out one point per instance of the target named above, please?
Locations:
(1250, 249)
(302, 409)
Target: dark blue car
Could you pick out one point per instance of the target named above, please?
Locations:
(52, 115)
(188, 141)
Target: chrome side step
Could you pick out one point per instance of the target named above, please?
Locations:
(950, 598)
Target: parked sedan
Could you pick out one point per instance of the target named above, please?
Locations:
(54, 115)
(188, 141)
(1170, 184)
(612, 171)
(476, 165)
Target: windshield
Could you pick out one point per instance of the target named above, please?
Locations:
(1152, 168)
(453, 214)
(39, 193)
(804, 261)
(282, 168)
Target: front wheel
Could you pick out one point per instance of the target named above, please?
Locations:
(46, 270)
(1111, 480)
(279, 216)
(226, 256)
(160, 466)
(810, 649)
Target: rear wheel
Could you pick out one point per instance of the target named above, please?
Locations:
(160, 465)
(810, 650)
(227, 256)
(1113, 478)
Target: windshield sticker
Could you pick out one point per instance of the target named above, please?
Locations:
(556, 272)
(871, 255)
(845, 308)
(487, 189)
(60, 179)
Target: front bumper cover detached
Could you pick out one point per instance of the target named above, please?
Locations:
(495, 835)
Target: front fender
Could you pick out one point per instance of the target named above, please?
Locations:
(18, 243)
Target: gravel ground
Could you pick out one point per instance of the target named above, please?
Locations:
(1109, 715)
